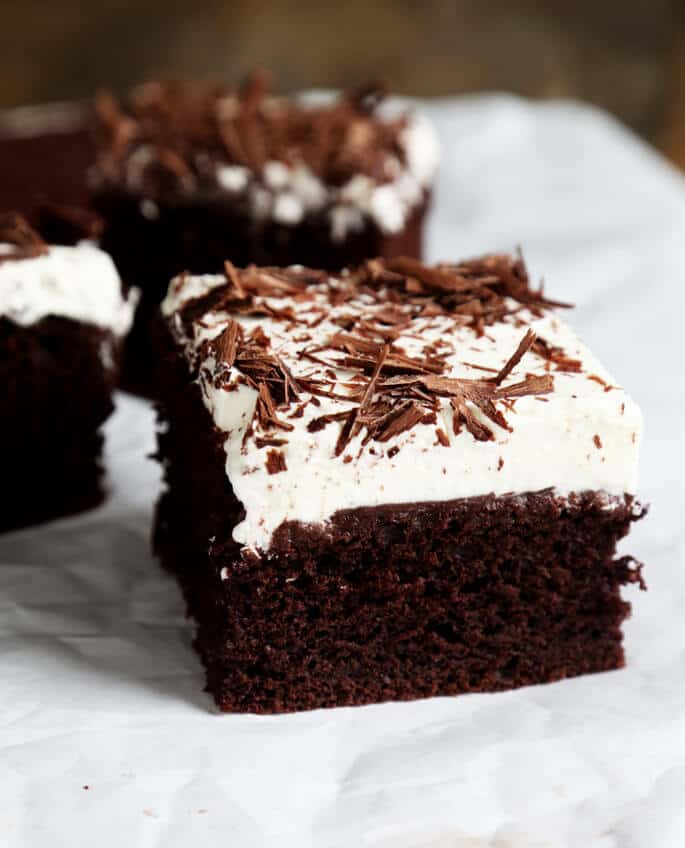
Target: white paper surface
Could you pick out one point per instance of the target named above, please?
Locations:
(100, 688)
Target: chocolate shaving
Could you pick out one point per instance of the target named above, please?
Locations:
(275, 462)
(403, 417)
(115, 132)
(597, 379)
(174, 164)
(367, 98)
(291, 388)
(481, 394)
(319, 423)
(350, 428)
(524, 346)
(464, 415)
(364, 352)
(556, 356)
(227, 344)
(477, 289)
(265, 411)
(388, 391)
(15, 230)
(271, 442)
(192, 129)
(534, 384)
(443, 438)
(233, 277)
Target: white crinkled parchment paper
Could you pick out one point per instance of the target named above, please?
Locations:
(106, 737)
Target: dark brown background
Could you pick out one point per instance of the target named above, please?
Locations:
(628, 56)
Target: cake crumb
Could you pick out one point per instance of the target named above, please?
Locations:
(597, 441)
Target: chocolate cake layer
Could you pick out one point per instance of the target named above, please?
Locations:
(396, 482)
(56, 396)
(188, 175)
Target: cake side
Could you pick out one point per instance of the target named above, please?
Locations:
(366, 393)
(58, 377)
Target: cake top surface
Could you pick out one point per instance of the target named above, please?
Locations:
(78, 282)
(396, 383)
(284, 157)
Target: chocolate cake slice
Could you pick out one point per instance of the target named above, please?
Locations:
(190, 174)
(45, 153)
(397, 482)
(62, 319)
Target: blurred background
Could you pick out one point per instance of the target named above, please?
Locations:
(627, 56)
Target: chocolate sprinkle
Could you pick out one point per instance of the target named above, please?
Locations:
(227, 344)
(556, 356)
(275, 462)
(187, 130)
(476, 290)
(443, 438)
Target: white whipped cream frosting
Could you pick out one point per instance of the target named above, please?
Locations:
(579, 437)
(287, 193)
(77, 282)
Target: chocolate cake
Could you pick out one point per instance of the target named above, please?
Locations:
(190, 174)
(45, 154)
(396, 482)
(62, 318)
